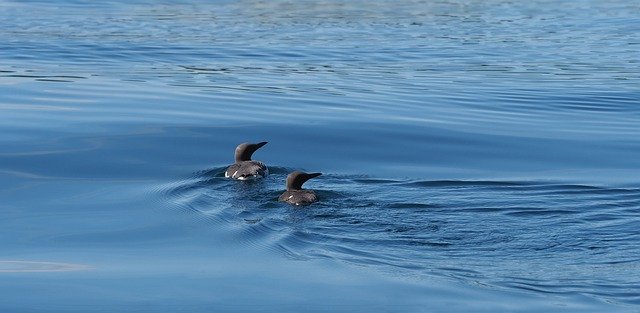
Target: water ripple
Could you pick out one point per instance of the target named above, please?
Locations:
(469, 230)
(473, 101)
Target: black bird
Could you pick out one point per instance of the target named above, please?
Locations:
(245, 168)
(295, 194)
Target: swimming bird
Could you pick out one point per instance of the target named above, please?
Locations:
(244, 168)
(295, 194)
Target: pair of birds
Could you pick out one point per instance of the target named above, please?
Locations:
(244, 168)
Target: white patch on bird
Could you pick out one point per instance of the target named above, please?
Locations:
(226, 174)
(291, 196)
(234, 174)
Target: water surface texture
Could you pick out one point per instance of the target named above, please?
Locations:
(476, 156)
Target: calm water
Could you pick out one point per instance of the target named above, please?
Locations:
(477, 156)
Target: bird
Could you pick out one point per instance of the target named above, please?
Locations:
(244, 168)
(295, 194)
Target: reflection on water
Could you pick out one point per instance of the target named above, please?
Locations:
(478, 153)
(34, 266)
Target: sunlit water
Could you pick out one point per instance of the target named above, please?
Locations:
(476, 156)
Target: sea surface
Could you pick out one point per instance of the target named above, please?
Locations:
(477, 156)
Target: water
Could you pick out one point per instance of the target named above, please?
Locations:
(477, 156)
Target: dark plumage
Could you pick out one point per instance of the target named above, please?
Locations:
(295, 194)
(244, 168)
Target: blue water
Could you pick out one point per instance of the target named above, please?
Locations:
(476, 156)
